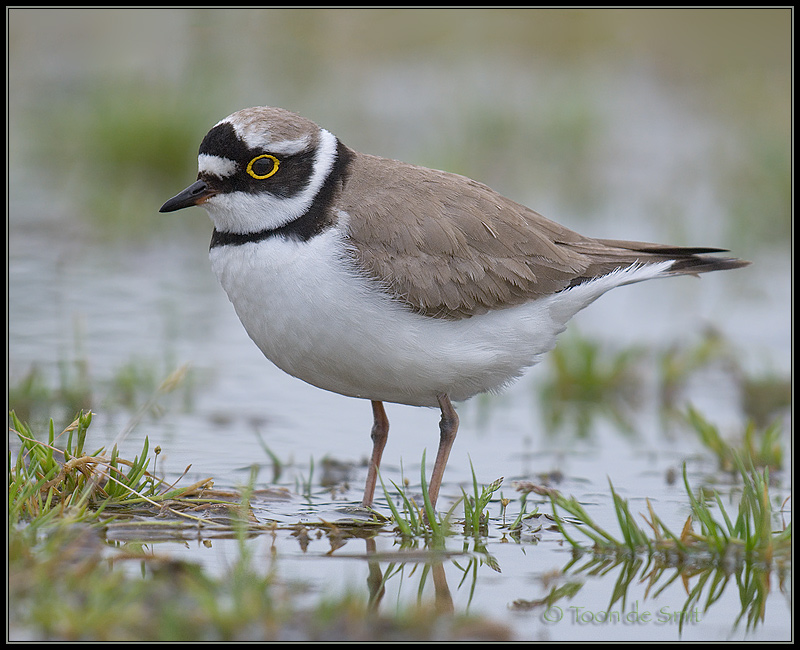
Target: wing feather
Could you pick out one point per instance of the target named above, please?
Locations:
(451, 247)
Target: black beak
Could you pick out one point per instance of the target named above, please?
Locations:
(192, 195)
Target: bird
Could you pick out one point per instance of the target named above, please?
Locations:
(391, 282)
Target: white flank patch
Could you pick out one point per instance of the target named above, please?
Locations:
(215, 165)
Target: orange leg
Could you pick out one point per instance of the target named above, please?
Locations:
(379, 435)
(448, 427)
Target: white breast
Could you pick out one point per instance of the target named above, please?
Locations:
(316, 318)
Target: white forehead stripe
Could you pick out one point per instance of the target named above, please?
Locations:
(286, 147)
(215, 165)
(255, 136)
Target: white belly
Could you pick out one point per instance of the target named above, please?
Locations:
(314, 317)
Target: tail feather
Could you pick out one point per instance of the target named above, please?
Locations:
(695, 264)
(607, 255)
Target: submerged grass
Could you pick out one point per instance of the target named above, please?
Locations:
(721, 538)
(586, 382)
(421, 521)
(415, 520)
(713, 547)
(476, 520)
(761, 448)
(135, 387)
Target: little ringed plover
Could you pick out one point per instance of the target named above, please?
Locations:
(382, 280)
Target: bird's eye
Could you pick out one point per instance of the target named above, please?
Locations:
(263, 166)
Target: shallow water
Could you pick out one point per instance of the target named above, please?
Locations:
(239, 401)
(79, 298)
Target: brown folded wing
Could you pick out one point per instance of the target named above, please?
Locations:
(451, 247)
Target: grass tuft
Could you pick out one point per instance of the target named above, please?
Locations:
(476, 521)
(49, 483)
(747, 536)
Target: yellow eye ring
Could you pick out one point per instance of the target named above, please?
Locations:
(261, 177)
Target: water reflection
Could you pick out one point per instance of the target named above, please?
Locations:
(637, 587)
(750, 580)
(376, 582)
(704, 584)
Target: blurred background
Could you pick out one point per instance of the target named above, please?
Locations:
(669, 117)
(670, 125)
